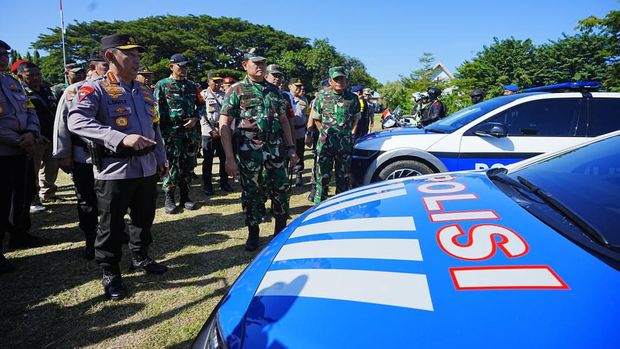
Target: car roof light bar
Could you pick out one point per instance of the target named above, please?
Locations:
(567, 87)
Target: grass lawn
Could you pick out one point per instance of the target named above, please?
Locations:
(55, 298)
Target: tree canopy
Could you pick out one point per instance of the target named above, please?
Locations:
(212, 44)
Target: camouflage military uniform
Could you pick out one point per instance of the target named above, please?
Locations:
(337, 114)
(256, 108)
(177, 100)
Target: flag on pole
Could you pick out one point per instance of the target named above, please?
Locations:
(62, 19)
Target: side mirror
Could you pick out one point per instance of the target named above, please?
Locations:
(495, 129)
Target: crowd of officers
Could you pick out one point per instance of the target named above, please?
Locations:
(118, 136)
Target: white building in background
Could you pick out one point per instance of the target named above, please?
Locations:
(440, 72)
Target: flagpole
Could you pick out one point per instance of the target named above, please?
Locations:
(62, 35)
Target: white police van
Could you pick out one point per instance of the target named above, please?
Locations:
(493, 133)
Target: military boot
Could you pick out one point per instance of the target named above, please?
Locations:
(169, 205)
(186, 202)
(251, 243)
(280, 224)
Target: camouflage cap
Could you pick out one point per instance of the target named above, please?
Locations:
(253, 54)
(335, 72)
(274, 69)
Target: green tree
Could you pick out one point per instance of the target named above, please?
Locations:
(36, 58)
(212, 44)
(609, 28)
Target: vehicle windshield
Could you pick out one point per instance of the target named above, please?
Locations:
(464, 116)
(586, 181)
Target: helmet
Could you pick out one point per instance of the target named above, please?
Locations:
(416, 96)
(433, 92)
(478, 92)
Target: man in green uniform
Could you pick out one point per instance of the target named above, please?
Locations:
(335, 113)
(260, 112)
(180, 106)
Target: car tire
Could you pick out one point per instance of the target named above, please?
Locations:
(403, 168)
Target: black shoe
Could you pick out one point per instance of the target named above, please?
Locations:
(88, 253)
(170, 207)
(113, 287)
(148, 265)
(251, 244)
(5, 265)
(208, 190)
(299, 182)
(190, 205)
(226, 187)
(27, 240)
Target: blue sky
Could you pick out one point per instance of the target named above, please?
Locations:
(388, 36)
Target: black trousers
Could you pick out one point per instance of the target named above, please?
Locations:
(213, 146)
(84, 181)
(16, 193)
(114, 197)
(299, 149)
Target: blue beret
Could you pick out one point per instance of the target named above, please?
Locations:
(513, 88)
(356, 88)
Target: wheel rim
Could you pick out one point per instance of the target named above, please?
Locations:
(403, 172)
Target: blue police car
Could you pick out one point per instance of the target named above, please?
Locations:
(493, 133)
(526, 256)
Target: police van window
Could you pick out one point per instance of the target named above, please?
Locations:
(542, 118)
(604, 116)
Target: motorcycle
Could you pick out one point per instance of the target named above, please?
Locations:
(395, 118)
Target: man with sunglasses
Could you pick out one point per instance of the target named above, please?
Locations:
(117, 116)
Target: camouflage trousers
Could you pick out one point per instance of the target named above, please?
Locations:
(181, 154)
(341, 163)
(260, 179)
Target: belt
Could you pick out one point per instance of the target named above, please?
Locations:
(128, 152)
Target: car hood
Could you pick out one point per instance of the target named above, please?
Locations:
(370, 269)
(399, 137)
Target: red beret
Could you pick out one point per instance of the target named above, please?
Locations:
(17, 64)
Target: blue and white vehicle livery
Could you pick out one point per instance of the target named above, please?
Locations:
(526, 256)
(493, 133)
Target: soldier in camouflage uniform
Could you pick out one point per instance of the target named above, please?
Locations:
(259, 109)
(335, 112)
(180, 106)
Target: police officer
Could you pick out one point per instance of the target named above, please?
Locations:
(264, 140)
(211, 141)
(336, 113)
(477, 95)
(364, 121)
(73, 157)
(180, 107)
(435, 110)
(145, 76)
(117, 114)
(510, 90)
(19, 127)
